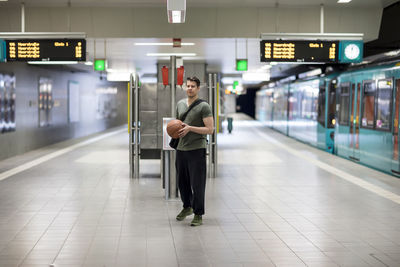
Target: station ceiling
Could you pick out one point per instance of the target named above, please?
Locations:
(219, 53)
(203, 3)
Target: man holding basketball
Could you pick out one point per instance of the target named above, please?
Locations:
(191, 152)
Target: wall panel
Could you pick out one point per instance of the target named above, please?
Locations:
(29, 136)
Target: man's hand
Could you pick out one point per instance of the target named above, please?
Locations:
(207, 129)
(184, 131)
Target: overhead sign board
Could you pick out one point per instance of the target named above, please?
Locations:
(2, 50)
(46, 50)
(299, 51)
(311, 51)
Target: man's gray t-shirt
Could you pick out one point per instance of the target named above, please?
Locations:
(195, 117)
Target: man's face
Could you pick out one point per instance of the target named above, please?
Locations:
(192, 89)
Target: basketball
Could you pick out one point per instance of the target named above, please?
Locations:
(173, 128)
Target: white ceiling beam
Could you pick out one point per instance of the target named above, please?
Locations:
(42, 35)
(312, 36)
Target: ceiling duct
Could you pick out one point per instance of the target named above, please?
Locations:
(176, 11)
(389, 37)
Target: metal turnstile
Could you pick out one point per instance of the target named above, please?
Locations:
(213, 92)
(134, 126)
(169, 156)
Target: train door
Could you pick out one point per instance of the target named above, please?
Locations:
(330, 117)
(321, 126)
(395, 157)
(355, 122)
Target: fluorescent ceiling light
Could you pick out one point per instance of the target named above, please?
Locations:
(314, 72)
(255, 76)
(343, 1)
(52, 62)
(392, 53)
(171, 54)
(230, 80)
(148, 79)
(176, 11)
(166, 44)
(89, 63)
(176, 16)
(310, 73)
(265, 67)
(118, 76)
(107, 91)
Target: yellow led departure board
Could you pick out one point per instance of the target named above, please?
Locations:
(46, 50)
(299, 51)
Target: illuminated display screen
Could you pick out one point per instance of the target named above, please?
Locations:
(299, 51)
(46, 50)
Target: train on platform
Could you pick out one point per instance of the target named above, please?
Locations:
(353, 113)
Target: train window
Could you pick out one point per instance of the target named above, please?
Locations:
(299, 101)
(321, 105)
(344, 103)
(383, 107)
(314, 106)
(292, 104)
(368, 102)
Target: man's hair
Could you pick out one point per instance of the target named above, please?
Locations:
(194, 79)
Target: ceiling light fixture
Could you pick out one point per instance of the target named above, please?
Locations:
(148, 79)
(163, 44)
(265, 67)
(176, 16)
(343, 1)
(310, 73)
(392, 53)
(176, 11)
(52, 62)
(171, 54)
(231, 79)
(118, 76)
(256, 76)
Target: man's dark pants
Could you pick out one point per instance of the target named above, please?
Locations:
(191, 175)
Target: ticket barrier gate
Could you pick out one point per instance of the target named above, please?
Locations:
(168, 155)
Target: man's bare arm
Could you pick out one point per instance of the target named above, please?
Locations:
(207, 129)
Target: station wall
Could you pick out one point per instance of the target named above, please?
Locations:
(96, 105)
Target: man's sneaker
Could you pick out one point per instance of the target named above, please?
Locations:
(197, 220)
(185, 212)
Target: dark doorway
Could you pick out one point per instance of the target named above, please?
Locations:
(246, 103)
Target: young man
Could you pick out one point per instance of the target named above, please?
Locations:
(191, 152)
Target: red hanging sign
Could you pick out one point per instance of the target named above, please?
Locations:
(165, 75)
(176, 42)
(179, 75)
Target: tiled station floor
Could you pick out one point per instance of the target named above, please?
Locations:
(275, 202)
